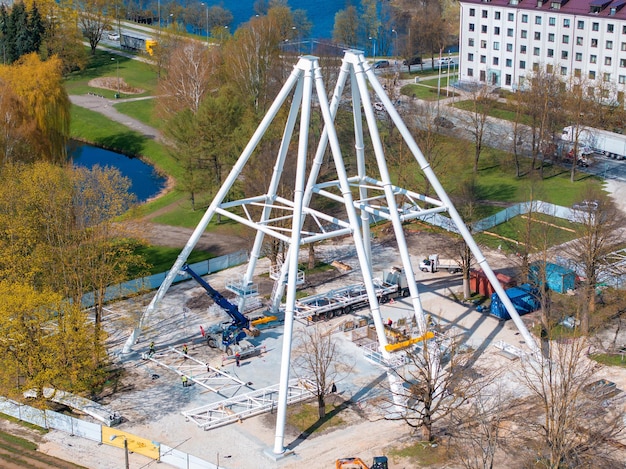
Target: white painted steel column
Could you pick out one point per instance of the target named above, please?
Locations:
(307, 64)
(352, 215)
(458, 221)
(219, 197)
(273, 187)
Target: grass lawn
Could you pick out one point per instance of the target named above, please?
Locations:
(135, 73)
(614, 359)
(304, 417)
(142, 110)
(422, 454)
(419, 92)
(162, 258)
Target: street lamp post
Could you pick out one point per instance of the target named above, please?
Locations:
(206, 6)
(395, 46)
(448, 85)
(170, 18)
(297, 36)
(159, 14)
(117, 63)
(438, 82)
(113, 437)
(373, 39)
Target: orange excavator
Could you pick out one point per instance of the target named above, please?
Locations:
(380, 462)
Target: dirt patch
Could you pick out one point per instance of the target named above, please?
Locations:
(114, 84)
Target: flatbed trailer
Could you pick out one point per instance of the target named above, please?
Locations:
(344, 300)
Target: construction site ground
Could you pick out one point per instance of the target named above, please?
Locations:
(151, 398)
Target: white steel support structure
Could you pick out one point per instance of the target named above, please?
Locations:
(375, 195)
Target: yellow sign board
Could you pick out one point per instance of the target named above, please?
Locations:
(143, 446)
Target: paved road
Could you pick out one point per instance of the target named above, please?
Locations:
(105, 106)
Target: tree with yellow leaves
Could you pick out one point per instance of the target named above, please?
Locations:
(39, 87)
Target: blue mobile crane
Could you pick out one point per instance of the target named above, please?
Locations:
(229, 337)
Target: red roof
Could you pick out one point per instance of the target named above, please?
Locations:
(569, 7)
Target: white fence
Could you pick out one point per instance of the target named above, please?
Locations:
(94, 432)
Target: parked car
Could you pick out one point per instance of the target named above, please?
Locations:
(441, 121)
(586, 206)
(443, 62)
(113, 36)
(416, 60)
(381, 64)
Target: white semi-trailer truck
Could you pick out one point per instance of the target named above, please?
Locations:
(601, 141)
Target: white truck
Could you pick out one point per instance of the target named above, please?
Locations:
(601, 141)
(434, 264)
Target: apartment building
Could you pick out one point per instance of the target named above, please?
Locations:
(503, 41)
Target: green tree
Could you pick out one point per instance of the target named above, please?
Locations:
(346, 28)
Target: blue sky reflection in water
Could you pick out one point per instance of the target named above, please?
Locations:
(145, 182)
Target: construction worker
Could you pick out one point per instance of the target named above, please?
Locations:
(185, 350)
(151, 350)
(185, 381)
(237, 358)
(389, 322)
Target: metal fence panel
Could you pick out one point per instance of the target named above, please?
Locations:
(89, 430)
(197, 463)
(62, 422)
(34, 416)
(173, 457)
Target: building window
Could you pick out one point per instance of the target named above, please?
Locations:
(593, 59)
(550, 53)
(594, 43)
(509, 63)
(471, 26)
(497, 15)
(552, 21)
(472, 12)
(610, 28)
(623, 46)
(564, 54)
(609, 45)
(537, 19)
(549, 68)
(470, 42)
(622, 63)
(565, 39)
(470, 72)
(507, 80)
(535, 67)
(579, 40)
(566, 22)
(483, 59)
(524, 18)
(579, 57)
(522, 49)
(622, 79)
(509, 32)
(496, 31)
(509, 47)
(483, 29)
(511, 17)
(470, 57)
(496, 61)
(537, 36)
(606, 77)
(550, 37)
(496, 46)
(483, 44)
(579, 25)
(484, 13)
(624, 29)
(536, 51)
(524, 34)
(607, 61)
(563, 70)
(592, 75)
(577, 72)
(595, 26)
(522, 64)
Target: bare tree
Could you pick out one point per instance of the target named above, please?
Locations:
(476, 121)
(599, 232)
(317, 358)
(93, 20)
(436, 380)
(571, 420)
(478, 428)
(467, 205)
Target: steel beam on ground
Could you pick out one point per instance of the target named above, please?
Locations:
(247, 405)
(203, 374)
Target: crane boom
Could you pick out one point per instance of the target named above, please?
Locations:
(239, 320)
